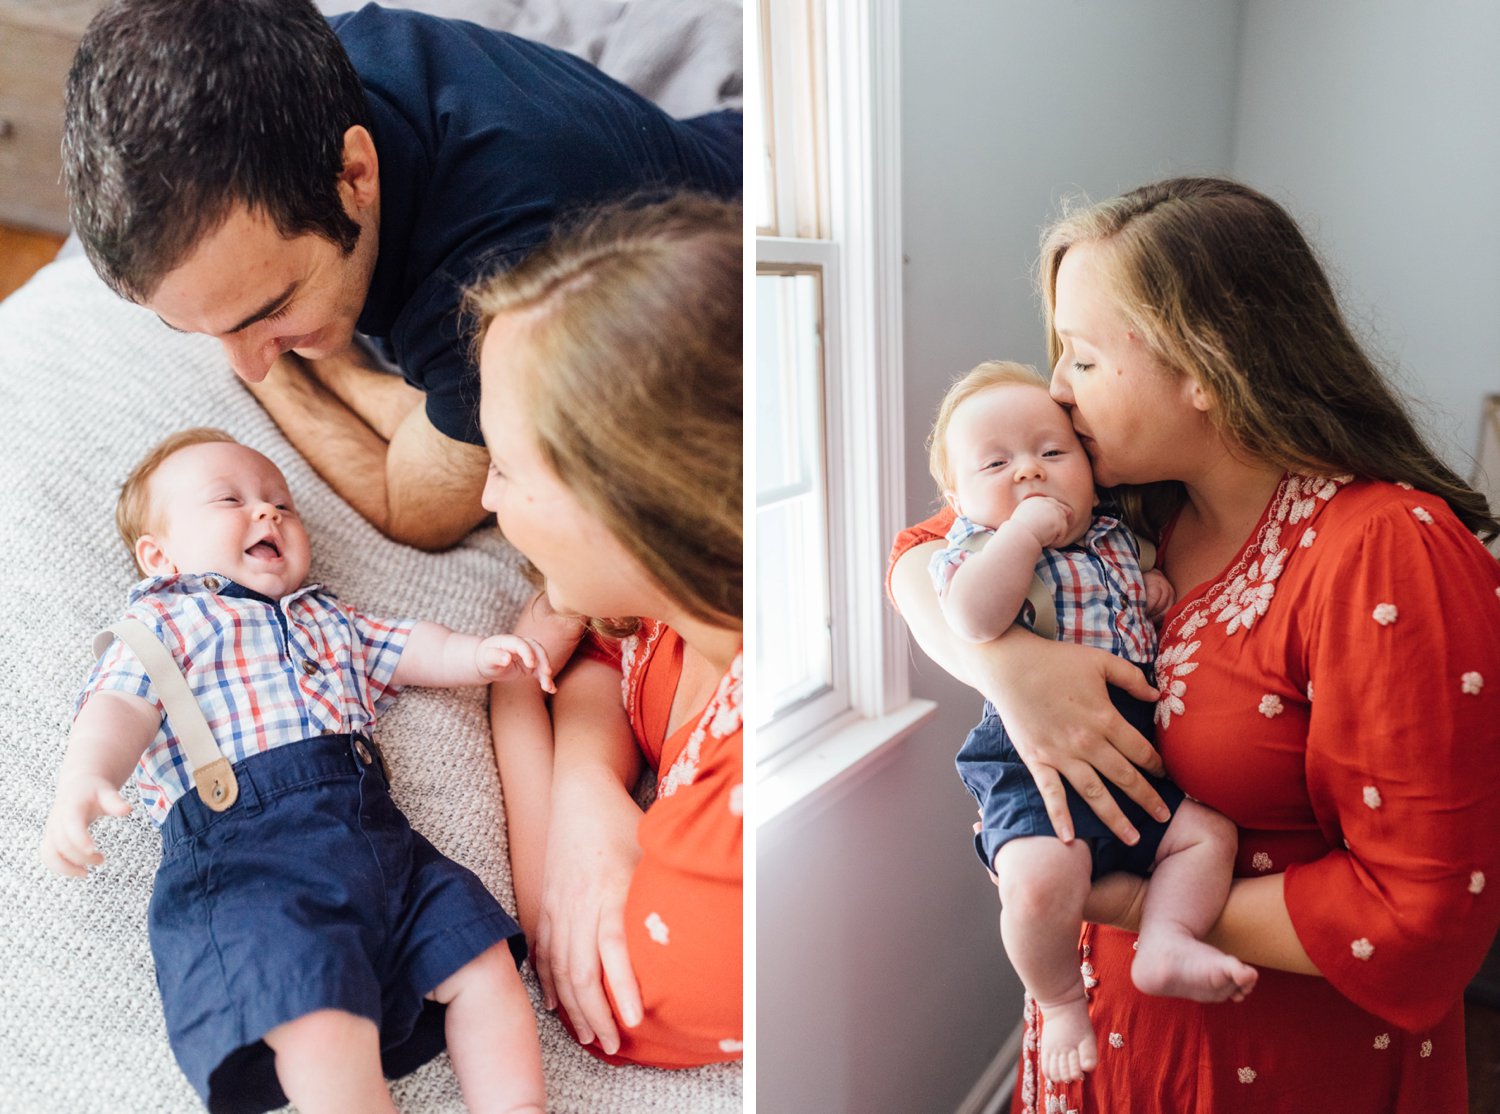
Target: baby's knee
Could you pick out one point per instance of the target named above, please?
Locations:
(491, 972)
(1038, 881)
(1198, 823)
(321, 1029)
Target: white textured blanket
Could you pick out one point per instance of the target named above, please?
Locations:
(87, 383)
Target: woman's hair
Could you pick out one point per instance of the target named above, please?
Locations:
(991, 373)
(632, 372)
(133, 515)
(1220, 284)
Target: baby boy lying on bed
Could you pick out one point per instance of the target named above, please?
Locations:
(307, 941)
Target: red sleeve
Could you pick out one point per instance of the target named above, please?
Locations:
(933, 529)
(1403, 654)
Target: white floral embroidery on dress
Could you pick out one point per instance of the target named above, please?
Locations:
(1426, 1049)
(1421, 514)
(1116, 1040)
(1384, 614)
(1362, 948)
(1372, 797)
(1309, 692)
(632, 647)
(720, 719)
(729, 1044)
(1308, 537)
(1476, 882)
(1404, 485)
(1472, 683)
(1261, 861)
(1270, 705)
(1247, 1075)
(1244, 594)
(737, 800)
(1383, 1041)
(657, 928)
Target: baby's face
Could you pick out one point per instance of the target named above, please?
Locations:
(224, 508)
(1010, 443)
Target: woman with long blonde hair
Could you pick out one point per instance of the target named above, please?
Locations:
(610, 363)
(1329, 677)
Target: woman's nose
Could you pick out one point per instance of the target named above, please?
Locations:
(1060, 388)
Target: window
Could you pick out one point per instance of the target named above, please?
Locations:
(830, 656)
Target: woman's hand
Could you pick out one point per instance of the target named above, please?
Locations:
(592, 854)
(1053, 699)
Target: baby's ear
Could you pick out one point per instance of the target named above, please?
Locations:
(951, 498)
(150, 556)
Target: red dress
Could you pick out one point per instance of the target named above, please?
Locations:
(1336, 692)
(684, 922)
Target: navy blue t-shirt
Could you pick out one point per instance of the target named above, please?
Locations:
(484, 141)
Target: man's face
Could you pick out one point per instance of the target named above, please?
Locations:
(260, 294)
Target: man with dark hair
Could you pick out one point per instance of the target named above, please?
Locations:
(249, 170)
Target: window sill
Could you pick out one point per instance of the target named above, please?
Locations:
(833, 760)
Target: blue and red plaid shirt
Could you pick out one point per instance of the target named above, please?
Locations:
(265, 672)
(1097, 585)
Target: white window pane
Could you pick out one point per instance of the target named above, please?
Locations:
(794, 655)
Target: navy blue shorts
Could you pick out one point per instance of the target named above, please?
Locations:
(310, 892)
(1010, 805)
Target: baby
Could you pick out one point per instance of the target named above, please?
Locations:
(307, 941)
(1013, 470)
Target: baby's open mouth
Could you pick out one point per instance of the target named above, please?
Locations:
(265, 549)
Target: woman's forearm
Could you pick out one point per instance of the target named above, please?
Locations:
(1256, 927)
(593, 739)
(521, 733)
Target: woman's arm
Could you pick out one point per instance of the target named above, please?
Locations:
(1254, 924)
(590, 859)
(1053, 700)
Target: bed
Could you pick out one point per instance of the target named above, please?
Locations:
(87, 382)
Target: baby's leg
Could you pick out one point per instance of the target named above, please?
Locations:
(329, 1060)
(1043, 883)
(1189, 884)
(492, 1036)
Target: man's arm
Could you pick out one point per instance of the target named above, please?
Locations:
(417, 487)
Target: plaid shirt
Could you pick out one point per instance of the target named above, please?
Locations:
(1097, 585)
(266, 673)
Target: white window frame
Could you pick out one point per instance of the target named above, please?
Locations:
(864, 410)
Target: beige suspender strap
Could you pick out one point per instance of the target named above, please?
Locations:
(1148, 553)
(216, 784)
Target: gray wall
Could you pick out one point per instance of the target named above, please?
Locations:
(882, 983)
(1376, 124)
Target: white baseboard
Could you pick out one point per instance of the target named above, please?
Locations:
(991, 1092)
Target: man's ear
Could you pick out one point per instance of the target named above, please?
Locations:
(359, 180)
(150, 556)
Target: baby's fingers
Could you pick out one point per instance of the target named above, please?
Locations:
(111, 802)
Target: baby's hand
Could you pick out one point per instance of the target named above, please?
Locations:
(67, 847)
(505, 656)
(1045, 518)
(1159, 594)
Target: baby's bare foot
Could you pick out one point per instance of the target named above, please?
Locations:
(1178, 966)
(1068, 1048)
